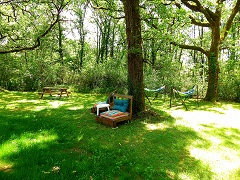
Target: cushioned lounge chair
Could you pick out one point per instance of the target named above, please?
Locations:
(120, 111)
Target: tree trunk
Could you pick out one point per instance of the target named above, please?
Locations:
(135, 57)
(60, 35)
(213, 65)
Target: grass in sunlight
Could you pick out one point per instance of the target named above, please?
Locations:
(53, 138)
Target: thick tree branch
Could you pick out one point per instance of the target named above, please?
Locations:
(37, 43)
(10, 1)
(196, 48)
(198, 23)
(108, 9)
(197, 7)
(104, 8)
(226, 28)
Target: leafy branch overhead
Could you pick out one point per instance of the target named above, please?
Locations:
(212, 18)
(113, 9)
(25, 23)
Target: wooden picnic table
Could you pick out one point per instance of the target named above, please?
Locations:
(53, 90)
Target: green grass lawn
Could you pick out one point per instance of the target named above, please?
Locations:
(54, 138)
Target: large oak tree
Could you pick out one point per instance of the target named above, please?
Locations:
(134, 46)
(135, 57)
(219, 24)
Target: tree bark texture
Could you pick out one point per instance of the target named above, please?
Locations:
(213, 63)
(135, 57)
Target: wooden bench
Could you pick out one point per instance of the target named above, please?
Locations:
(52, 90)
(112, 121)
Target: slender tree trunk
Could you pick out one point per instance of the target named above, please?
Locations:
(112, 41)
(107, 37)
(103, 42)
(153, 52)
(98, 45)
(60, 35)
(135, 57)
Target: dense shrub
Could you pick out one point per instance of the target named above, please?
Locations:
(103, 78)
(229, 81)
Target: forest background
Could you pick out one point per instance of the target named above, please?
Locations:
(83, 44)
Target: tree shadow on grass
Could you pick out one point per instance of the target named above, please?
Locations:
(32, 142)
(67, 137)
(160, 140)
(29, 134)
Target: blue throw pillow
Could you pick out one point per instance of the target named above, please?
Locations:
(121, 105)
(118, 102)
(120, 108)
(125, 102)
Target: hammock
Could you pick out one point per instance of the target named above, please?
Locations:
(183, 95)
(187, 93)
(155, 90)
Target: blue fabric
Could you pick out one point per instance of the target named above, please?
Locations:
(121, 104)
(189, 92)
(120, 108)
(118, 102)
(125, 102)
(155, 90)
(111, 113)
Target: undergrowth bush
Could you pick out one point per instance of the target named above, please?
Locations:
(102, 78)
(229, 82)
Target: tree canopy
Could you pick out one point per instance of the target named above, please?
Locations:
(24, 23)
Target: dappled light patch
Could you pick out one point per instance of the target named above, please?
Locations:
(56, 104)
(11, 106)
(195, 118)
(5, 167)
(15, 145)
(222, 161)
(26, 140)
(31, 102)
(157, 126)
(27, 101)
(76, 107)
(219, 130)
